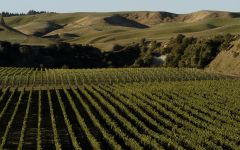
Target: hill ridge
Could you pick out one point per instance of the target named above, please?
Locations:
(123, 27)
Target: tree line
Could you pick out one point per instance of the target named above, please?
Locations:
(180, 51)
(53, 56)
(30, 12)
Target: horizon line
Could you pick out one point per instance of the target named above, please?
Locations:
(117, 11)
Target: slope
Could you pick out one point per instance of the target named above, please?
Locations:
(8, 33)
(228, 61)
(106, 29)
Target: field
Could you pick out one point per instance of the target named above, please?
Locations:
(131, 108)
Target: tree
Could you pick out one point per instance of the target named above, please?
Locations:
(24, 50)
(2, 22)
(143, 41)
(180, 38)
(117, 47)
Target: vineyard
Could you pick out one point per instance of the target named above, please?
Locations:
(29, 77)
(128, 108)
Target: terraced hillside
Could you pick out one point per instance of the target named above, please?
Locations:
(106, 29)
(118, 109)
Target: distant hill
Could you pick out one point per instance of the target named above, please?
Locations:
(8, 33)
(104, 30)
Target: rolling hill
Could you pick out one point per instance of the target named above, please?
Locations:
(8, 33)
(104, 30)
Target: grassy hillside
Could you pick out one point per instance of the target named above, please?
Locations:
(106, 29)
(228, 61)
(15, 36)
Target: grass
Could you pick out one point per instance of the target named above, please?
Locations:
(8, 34)
(90, 28)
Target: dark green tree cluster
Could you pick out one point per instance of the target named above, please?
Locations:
(147, 48)
(185, 51)
(33, 12)
(30, 12)
(54, 56)
(122, 56)
(64, 55)
(133, 55)
(9, 14)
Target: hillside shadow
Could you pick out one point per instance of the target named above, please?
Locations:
(118, 20)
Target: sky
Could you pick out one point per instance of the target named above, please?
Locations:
(175, 6)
